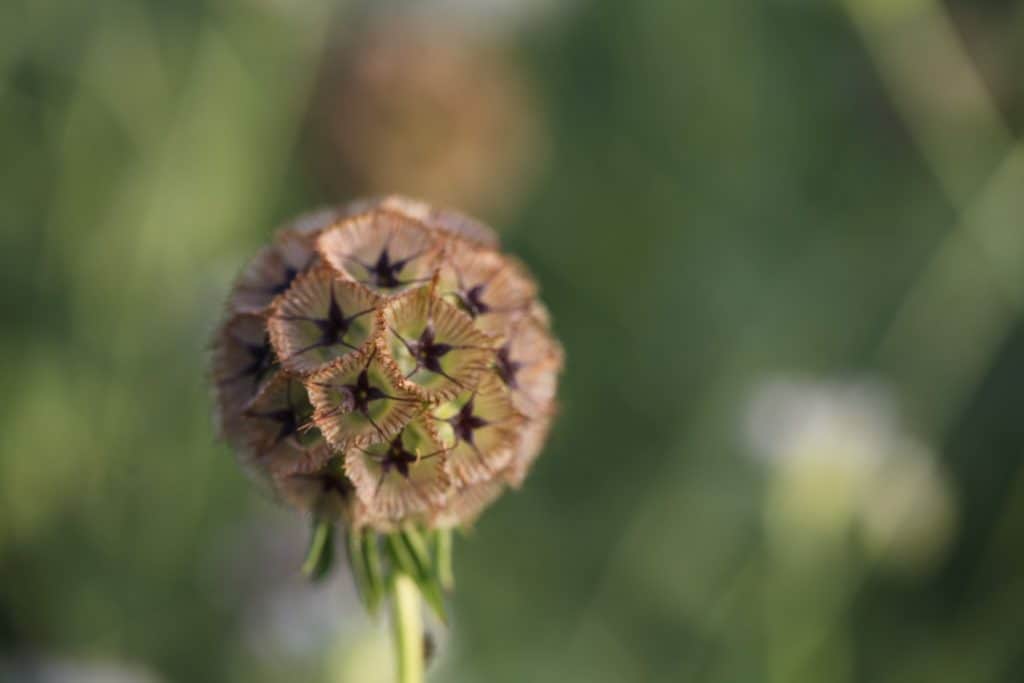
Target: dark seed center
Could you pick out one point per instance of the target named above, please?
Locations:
(507, 368)
(287, 276)
(332, 484)
(335, 326)
(472, 300)
(289, 423)
(398, 457)
(261, 360)
(428, 351)
(363, 393)
(385, 273)
(466, 423)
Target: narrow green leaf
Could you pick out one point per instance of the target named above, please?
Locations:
(372, 565)
(434, 597)
(357, 563)
(405, 562)
(413, 540)
(401, 556)
(320, 555)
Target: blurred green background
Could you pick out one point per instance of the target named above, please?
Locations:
(782, 241)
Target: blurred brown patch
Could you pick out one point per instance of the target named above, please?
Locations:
(407, 106)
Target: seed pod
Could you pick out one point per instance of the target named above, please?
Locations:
(383, 363)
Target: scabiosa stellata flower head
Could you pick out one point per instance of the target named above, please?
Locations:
(385, 368)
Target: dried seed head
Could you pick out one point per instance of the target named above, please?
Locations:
(383, 363)
(426, 109)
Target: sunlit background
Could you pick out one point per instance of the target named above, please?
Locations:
(782, 241)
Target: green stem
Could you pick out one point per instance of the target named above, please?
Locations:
(408, 626)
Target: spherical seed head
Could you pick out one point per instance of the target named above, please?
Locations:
(384, 362)
(424, 108)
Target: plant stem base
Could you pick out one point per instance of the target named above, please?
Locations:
(407, 622)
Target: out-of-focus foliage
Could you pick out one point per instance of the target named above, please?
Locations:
(733, 197)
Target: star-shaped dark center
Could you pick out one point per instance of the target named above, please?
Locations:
(384, 272)
(506, 367)
(333, 484)
(336, 325)
(333, 328)
(397, 457)
(465, 422)
(289, 423)
(290, 418)
(287, 276)
(261, 360)
(331, 481)
(472, 300)
(428, 352)
(363, 393)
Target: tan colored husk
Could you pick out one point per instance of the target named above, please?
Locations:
(531, 441)
(389, 493)
(493, 444)
(334, 446)
(334, 411)
(540, 360)
(280, 394)
(354, 244)
(233, 386)
(317, 492)
(447, 220)
(408, 315)
(271, 272)
(308, 298)
(466, 505)
(506, 290)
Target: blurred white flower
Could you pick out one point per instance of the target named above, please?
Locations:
(911, 512)
(841, 461)
(301, 619)
(831, 419)
(284, 615)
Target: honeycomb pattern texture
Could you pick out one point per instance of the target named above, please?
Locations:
(383, 363)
